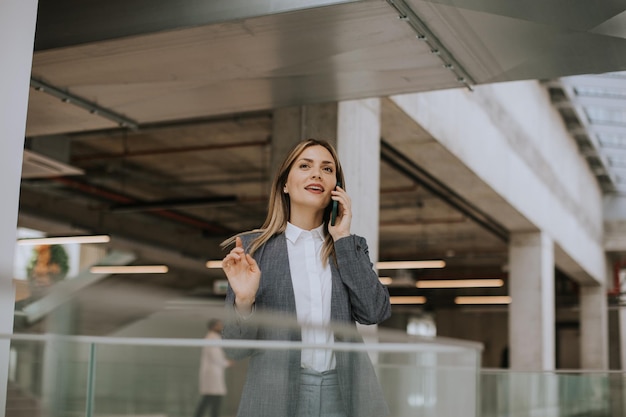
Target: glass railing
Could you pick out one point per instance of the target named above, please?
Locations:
(100, 376)
(158, 377)
(562, 393)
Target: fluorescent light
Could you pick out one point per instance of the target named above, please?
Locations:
(379, 265)
(459, 283)
(410, 264)
(385, 280)
(129, 269)
(496, 299)
(64, 240)
(214, 264)
(407, 299)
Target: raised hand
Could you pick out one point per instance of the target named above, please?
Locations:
(244, 276)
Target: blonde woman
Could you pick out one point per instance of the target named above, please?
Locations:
(298, 264)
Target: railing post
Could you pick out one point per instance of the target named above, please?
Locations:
(91, 376)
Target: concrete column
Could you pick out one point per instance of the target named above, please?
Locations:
(293, 124)
(358, 146)
(622, 318)
(17, 34)
(594, 335)
(531, 315)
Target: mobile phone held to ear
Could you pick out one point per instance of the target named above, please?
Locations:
(333, 213)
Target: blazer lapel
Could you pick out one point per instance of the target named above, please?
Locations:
(276, 259)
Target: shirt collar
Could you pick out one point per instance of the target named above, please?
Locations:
(292, 232)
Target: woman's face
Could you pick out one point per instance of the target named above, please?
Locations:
(311, 179)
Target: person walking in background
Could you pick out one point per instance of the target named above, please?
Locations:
(213, 362)
(305, 263)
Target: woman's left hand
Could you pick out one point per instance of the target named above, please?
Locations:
(344, 214)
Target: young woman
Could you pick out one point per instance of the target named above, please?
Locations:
(300, 265)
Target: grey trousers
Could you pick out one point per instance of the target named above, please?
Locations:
(319, 395)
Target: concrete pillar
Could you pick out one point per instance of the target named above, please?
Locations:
(622, 324)
(531, 314)
(293, 124)
(358, 146)
(594, 334)
(17, 34)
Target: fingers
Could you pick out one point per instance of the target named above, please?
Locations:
(344, 216)
(340, 195)
(252, 263)
(238, 251)
(237, 257)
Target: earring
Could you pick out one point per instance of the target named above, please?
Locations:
(285, 190)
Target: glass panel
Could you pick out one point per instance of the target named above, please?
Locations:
(602, 115)
(160, 377)
(612, 141)
(423, 377)
(583, 91)
(548, 393)
(617, 162)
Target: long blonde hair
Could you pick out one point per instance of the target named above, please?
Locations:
(279, 207)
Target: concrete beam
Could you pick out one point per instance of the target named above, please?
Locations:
(518, 164)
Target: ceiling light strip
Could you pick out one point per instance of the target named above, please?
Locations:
(411, 264)
(214, 264)
(407, 299)
(423, 33)
(496, 299)
(61, 240)
(92, 108)
(129, 269)
(385, 280)
(460, 283)
(217, 264)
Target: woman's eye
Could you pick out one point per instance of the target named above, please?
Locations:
(303, 165)
(328, 169)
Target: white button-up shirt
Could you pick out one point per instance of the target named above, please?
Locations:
(312, 286)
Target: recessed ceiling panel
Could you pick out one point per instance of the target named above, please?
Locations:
(341, 52)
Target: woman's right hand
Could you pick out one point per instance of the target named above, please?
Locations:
(243, 275)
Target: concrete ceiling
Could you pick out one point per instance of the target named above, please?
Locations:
(166, 106)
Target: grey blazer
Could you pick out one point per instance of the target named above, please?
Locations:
(272, 383)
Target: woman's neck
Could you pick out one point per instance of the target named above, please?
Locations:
(306, 221)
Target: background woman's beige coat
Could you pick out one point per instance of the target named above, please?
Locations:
(212, 365)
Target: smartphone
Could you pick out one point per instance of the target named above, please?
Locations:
(333, 213)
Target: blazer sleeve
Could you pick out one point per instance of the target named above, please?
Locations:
(369, 298)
